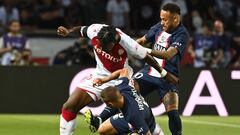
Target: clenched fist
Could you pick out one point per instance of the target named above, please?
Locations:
(62, 31)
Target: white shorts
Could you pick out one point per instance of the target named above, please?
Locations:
(94, 92)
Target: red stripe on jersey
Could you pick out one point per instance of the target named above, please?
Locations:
(164, 61)
(112, 61)
(150, 70)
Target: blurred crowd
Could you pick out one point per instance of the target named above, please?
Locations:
(214, 26)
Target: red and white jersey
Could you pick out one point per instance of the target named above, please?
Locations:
(118, 57)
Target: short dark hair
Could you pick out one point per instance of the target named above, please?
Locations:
(172, 8)
(110, 93)
(107, 35)
(13, 21)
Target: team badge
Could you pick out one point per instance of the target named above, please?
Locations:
(120, 51)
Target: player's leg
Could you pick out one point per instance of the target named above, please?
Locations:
(78, 99)
(95, 121)
(115, 125)
(170, 100)
(106, 128)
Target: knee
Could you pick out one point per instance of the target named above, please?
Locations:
(68, 106)
(101, 130)
(170, 101)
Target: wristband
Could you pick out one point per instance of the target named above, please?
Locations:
(163, 73)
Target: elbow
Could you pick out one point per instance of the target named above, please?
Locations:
(167, 57)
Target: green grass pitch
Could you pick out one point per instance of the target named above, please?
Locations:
(49, 125)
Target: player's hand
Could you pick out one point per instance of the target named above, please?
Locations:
(97, 82)
(62, 31)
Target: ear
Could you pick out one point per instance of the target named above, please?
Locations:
(176, 18)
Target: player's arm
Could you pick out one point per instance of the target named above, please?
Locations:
(167, 55)
(142, 41)
(2, 49)
(117, 74)
(177, 46)
(79, 30)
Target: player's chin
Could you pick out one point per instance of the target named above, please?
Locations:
(164, 28)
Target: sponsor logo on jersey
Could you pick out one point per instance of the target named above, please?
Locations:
(138, 99)
(107, 56)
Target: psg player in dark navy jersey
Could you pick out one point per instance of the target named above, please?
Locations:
(163, 41)
(135, 111)
(170, 38)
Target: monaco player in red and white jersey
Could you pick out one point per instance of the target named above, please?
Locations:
(111, 48)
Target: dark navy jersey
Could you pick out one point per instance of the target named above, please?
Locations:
(134, 107)
(162, 41)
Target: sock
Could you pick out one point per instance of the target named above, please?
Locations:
(174, 122)
(107, 113)
(67, 122)
(158, 130)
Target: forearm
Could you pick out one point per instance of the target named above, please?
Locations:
(113, 76)
(166, 55)
(168, 76)
(160, 54)
(75, 30)
(152, 62)
(142, 41)
(4, 50)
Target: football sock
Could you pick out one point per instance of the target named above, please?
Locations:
(107, 113)
(67, 122)
(174, 122)
(158, 130)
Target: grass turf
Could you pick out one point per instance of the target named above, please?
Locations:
(49, 125)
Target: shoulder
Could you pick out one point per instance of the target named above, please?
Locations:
(122, 80)
(156, 26)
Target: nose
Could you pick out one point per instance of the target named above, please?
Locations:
(162, 23)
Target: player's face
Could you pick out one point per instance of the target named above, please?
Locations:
(167, 20)
(15, 27)
(110, 103)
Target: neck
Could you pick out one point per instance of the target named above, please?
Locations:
(14, 33)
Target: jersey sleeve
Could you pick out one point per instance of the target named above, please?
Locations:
(150, 36)
(180, 42)
(132, 47)
(93, 30)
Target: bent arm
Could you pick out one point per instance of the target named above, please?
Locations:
(117, 74)
(167, 55)
(168, 76)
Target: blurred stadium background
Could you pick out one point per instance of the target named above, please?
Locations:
(35, 77)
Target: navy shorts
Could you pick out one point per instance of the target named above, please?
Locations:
(120, 124)
(148, 83)
(123, 127)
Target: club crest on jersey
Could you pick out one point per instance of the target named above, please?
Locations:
(120, 51)
(162, 40)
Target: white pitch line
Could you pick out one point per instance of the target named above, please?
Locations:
(212, 123)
